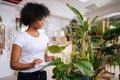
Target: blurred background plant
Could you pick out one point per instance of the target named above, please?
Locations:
(2, 36)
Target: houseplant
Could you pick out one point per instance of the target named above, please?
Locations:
(114, 22)
(84, 60)
(79, 66)
(97, 27)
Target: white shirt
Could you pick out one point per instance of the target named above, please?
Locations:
(32, 48)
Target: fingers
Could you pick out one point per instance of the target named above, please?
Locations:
(38, 61)
(51, 58)
(54, 57)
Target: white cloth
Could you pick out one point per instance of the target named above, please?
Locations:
(32, 48)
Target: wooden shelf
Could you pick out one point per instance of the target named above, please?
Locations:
(95, 36)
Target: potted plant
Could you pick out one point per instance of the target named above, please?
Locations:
(84, 60)
(79, 67)
(97, 28)
(114, 22)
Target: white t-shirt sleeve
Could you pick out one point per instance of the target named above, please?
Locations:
(19, 40)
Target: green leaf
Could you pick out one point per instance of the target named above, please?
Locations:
(86, 26)
(84, 66)
(75, 11)
(111, 34)
(81, 22)
(73, 54)
(65, 78)
(56, 49)
(56, 62)
(0, 19)
(115, 22)
(55, 70)
(94, 20)
(59, 76)
(109, 50)
(91, 54)
(116, 60)
(83, 56)
(63, 47)
(74, 76)
(62, 67)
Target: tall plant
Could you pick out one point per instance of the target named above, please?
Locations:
(84, 60)
(104, 55)
(79, 65)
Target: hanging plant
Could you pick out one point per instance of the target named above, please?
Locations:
(2, 36)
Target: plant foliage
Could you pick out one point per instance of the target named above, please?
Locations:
(85, 61)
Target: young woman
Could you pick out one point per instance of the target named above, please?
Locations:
(30, 47)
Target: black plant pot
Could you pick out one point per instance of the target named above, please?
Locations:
(83, 77)
(91, 33)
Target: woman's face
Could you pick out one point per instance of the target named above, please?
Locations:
(38, 24)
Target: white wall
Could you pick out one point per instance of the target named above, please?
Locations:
(8, 15)
(59, 9)
(55, 24)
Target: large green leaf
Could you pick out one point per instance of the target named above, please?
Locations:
(59, 76)
(75, 11)
(81, 22)
(94, 20)
(74, 76)
(65, 78)
(78, 14)
(56, 49)
(56, 62)
(56, 70)
(62, 67)
(84, 66)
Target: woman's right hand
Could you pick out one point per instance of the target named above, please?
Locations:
(36, 61)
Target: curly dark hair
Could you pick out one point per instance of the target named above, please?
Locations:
(32, 12)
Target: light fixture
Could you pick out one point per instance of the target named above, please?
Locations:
(83, 0)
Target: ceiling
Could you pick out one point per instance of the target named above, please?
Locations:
(86, 6)
(89, 8)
